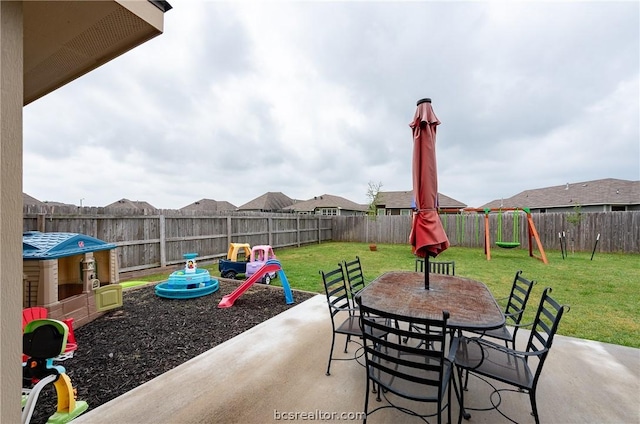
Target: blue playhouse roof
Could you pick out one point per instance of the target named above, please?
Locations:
(37, 245)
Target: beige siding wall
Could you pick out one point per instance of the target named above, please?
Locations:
(11, 102)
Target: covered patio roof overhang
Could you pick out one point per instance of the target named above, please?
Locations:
(64, 40)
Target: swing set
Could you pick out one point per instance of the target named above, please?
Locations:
(531, 231)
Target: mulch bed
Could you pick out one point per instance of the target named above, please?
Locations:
(150, 335)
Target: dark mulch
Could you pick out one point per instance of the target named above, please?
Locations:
(150, 335)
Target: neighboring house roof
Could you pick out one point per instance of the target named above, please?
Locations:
(608, 191)
(28, 200)
(446, 202)
(130, 204)
(209, 205)
(326, 201)
(49, 203)
(404, 200)
(268, 202)
(224, 206)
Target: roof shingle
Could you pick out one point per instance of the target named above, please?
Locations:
(608, 191)
(326, 201)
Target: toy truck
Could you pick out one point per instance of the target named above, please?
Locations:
(236, 263)
(259, 256)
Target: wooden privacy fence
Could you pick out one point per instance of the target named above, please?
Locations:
(619, 231)
(151, 241)
(148, 241)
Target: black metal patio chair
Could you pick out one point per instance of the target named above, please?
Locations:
(514, 311)
(519, 369)
(420, 369)
(355, 276)
(437, 267)
(344, 319)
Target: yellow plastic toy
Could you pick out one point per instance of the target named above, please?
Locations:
(233, 266)
(234, 250)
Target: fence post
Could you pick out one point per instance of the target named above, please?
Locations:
(163, 241)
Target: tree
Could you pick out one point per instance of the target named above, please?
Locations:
(373, 195)
(574, 219)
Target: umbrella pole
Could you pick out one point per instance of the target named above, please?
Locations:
(426, 272)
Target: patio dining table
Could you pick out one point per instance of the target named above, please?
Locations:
(470, 304)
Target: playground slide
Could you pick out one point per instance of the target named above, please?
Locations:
(271, 266)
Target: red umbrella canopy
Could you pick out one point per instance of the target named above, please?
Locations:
(427, 235)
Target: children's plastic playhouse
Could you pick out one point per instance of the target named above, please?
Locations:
(71, 275)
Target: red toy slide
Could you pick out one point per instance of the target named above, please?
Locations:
(228, 300)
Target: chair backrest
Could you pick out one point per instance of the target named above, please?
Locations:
(33, 313)
(335, 287)
(544, 327)
(442, 267)
(401, 356)
(355, 278)
(520, 291)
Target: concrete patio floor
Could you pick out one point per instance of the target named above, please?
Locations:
(277, 370)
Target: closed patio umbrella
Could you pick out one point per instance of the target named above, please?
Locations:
(428, 238)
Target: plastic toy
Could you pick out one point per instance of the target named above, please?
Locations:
(270, 266)
(188, 283)
(38, 312)
(42, 340)
(259, 257)
(231, 267)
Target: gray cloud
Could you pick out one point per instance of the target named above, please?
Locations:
(237, 99)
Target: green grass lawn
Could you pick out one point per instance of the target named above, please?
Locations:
(602, 293)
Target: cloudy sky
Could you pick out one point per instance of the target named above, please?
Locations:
(236, 99)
